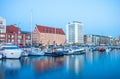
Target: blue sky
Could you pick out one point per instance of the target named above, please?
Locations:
(101, 17)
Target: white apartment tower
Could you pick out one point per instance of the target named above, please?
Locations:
(2, 25)
(74, 32)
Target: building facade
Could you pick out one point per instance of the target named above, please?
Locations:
(74, 32)
(46, 34)
(16, 36)
(2, 25)
(97, 40)
(2, 29)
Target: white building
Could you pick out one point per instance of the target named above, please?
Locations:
(2, 25)
(74, 32)
(92, 39)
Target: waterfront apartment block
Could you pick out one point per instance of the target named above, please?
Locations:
(47, 34)
(2, 25)
(2, 29)
(74, 32)
(15, 35)
(97, 40)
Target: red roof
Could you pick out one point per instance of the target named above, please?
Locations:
(47, 29)
(12, 29)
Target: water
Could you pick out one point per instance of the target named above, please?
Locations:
(92, 65)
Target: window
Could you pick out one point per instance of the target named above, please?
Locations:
(27, 37)
(45, 30)
(9, 40)
(12, 36)
(15, 47)
(9, 36)
(12, 40)
(1, 22)
(19, 41)
(19, 32)
(28, 41)
(2, 35)
(19, 37)
(2, 26)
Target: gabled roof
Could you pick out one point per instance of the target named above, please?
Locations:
(12, 29)
(47, 29)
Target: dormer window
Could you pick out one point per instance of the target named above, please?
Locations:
(19, 32)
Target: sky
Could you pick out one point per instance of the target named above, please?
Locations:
(100, 17)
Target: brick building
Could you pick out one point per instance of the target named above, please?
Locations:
(15, 35)
(44, 34)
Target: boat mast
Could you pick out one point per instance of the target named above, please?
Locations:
(31, 25)
(55, 35)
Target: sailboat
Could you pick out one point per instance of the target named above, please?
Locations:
(34, 51)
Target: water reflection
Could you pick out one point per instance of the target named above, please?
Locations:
(1, 70)
(12, 64)
(75, 63)
(69, 67)
(89, 57)
(47, 64)
(9, 67)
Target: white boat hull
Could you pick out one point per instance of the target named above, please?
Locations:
(0, 56)
(12, 54)
(37, 53)
(10, 51)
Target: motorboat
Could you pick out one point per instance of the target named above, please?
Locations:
(0, 54)
(76, 50)
(10, 51)
(36, 52)
(101, 49)
(57, 51)
(26, 51)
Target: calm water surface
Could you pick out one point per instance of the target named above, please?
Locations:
(92, 65)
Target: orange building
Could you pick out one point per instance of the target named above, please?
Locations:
(46, 34)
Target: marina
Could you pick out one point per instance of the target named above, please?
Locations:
(59, 39)
(91, 64)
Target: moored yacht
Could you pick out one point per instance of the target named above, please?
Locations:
(10, 51)
(76, 50)
(36, 52)
(0, 56)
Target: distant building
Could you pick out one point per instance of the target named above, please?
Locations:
(46, 34)
(97, 40)
(2, 25)
(117, 40)
(16, 36)
(91, 39)
(74, 32)
(104, 40)
(2, 29)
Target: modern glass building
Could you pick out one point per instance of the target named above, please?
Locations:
(74, 32)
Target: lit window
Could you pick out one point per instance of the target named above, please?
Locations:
(2, 35)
